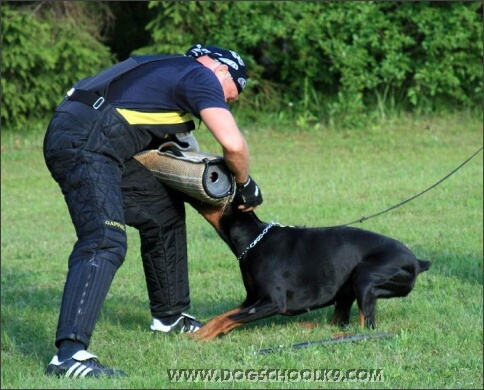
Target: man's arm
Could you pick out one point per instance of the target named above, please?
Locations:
(222, 125)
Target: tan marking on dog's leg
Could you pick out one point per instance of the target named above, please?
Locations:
(362, 319)
(215, 326)
(226, 326)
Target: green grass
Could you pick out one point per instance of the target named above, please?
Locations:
(314, 178)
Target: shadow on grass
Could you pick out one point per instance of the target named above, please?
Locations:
(30, 314)
(26, 314)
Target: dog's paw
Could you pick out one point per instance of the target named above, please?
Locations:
(202, 334)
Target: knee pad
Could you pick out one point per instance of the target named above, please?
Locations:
(108, 242)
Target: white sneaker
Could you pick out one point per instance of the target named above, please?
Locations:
(184, 324)
(82, 364)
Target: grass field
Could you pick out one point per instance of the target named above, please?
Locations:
(314, 178)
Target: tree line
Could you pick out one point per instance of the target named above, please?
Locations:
(317, 62)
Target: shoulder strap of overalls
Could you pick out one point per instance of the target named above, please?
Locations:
(100, 82)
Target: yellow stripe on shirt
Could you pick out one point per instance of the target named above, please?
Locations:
(154, 118)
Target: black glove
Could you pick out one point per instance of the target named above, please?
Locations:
(250, 193)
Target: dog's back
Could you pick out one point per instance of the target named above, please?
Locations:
(309, 266)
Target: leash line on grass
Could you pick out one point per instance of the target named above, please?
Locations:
(362, 219)
(334, 340)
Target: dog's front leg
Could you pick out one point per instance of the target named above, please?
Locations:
(342, 306)
(216, 326)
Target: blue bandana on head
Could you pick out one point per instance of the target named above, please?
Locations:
(230, 58)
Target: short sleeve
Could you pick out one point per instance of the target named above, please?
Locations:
(200, 89)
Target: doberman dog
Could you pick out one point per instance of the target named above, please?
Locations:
(291, 270)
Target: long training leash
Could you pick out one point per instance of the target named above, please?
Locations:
(334, 340)
(272, 224)
(362, 219)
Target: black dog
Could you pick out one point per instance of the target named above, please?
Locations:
(291, 270)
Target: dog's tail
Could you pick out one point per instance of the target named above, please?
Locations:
(423, 265)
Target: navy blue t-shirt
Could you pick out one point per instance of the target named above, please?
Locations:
(175, 84)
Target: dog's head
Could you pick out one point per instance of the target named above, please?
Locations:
(221, 217)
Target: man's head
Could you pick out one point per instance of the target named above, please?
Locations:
(235, 64)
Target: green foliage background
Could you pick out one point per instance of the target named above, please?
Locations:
(312, 62)
(42, 55)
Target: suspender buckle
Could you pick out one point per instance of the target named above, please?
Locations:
(98, 103)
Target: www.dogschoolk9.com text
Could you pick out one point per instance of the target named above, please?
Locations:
(274, 375)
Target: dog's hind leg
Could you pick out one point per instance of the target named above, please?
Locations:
(388, 276)
(366, 304)
(365, 297)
